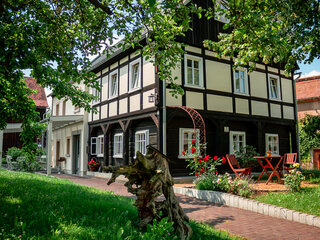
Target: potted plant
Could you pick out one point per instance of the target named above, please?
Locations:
(93, 165)
(245, 156)
(268, 153)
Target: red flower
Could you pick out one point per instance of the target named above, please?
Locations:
(193, 150)
(199, 160)
(98, 163)
(197, 174)
(215, 158)
(193, 142)
(207, 157)
(216, 172)
(224, 160)
(201, 170)
(205, 160)
(183, 153)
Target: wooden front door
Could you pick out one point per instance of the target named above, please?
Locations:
(316, 158)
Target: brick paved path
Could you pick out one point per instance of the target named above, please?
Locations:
(240, 222)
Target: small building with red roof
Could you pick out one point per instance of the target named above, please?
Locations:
(9, 137)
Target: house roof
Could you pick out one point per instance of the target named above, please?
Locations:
(39, 97)
(308, 89)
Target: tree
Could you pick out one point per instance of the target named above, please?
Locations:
(56, 38)
(309, 135)
(273, 31)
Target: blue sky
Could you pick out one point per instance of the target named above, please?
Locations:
(308, 68)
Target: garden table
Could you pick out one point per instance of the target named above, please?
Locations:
(276, 160)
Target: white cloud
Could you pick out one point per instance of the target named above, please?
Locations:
(311, 74)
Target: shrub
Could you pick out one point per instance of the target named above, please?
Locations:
(15, 153)
(293, 180)
(206, 182)
(242, 187)
(245, 156)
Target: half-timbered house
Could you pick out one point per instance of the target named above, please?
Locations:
(238, 108)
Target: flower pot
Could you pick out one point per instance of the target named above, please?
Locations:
(93, 168)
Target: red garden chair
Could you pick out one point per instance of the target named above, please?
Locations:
(240, 172)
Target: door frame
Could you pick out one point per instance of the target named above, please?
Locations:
(75, 166)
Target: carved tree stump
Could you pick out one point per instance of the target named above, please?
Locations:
(149, 178)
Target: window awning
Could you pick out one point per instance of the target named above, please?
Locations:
(62, 121)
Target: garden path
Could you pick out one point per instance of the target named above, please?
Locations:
(237, 221)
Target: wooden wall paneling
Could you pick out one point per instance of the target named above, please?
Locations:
(141, 83)
(268, 90)
(205, 106)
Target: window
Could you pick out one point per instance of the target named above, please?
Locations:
(97, 146)
(64, 107)
(68, 146)
(272, 143)
(193, 71)
(186, 135)
(118, 145)
(100, 144)
(76, 109)
(57, 109)
(93, 146)
(274, 88)
(113, 84)
(96, 93)
(141, 141)
(240, 79)
(134, 75)
(237, 141)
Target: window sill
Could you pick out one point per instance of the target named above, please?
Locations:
(113, 97)
(99, 155)
(194, 86)
(117, 156)
(242, 94)
(184, 157)
(134, 90)
(275, 99)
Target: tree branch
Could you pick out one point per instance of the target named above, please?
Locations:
(103, 7)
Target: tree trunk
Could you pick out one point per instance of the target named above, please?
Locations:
(149, 178)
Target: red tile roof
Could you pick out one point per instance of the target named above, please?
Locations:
(308, 89)
(39, 97)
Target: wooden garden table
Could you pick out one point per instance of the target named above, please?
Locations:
(276, 160)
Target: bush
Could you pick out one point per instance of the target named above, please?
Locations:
(15, 153)
(242, 187)
(245, 156)
(293, 180)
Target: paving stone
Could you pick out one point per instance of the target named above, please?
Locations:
(237, 221)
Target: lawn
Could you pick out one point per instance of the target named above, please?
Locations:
(307, 200)
(40, 207)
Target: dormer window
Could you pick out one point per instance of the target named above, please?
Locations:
(193, 71)
(113, 84)
(135, 76)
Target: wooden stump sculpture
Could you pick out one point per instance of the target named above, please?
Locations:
(149, 178)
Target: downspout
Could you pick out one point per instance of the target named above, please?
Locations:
(296, 115)
(164, 118)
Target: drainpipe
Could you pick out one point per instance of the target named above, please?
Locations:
(296, 114)
(164, 119)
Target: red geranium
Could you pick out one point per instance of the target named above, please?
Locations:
(224, 160)
(215, 158)
(216, 172)
(193, 150)
(193, 142)
(201, 170)
(199, 160)
(197, 174)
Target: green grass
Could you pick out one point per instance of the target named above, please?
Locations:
(40, 207)
(307, 200)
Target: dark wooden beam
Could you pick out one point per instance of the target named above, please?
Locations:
(155, 119)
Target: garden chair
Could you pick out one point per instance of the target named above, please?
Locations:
(232, 160)
(288, 161)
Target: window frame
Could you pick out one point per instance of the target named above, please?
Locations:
(137, 61)
(99, 152)
(146, 132)
(246, 85)
(267, 135)
(91, 144)
(193, 58)
(115, 72)
(278, 87)
(119, 155)
(181, 141)
(231, 134)
(95, 92)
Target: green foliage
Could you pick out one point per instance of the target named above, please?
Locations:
(293, 180)
(309, 135)
(15, 153)
(40, 207)
(225, 183)
(271, 31)
(245, 156)
(312, 175)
